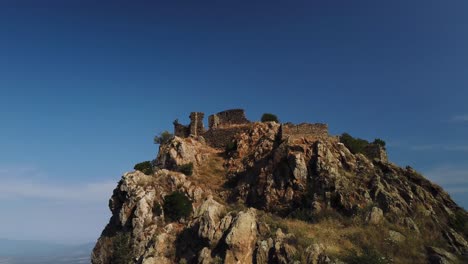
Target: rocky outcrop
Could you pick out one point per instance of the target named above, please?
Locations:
(241, 238)
(269, 173)
(375, 216)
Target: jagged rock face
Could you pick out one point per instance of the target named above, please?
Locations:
(313, 174)
(181, 151)
(275, 175)
(241, 238)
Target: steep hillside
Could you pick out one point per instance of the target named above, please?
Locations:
(274, 196)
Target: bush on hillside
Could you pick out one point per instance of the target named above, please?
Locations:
(186, 169)
(358, 145)
(163, 137)
(268, 117)
(355, 145)
(379, 142)
(122, 248)
(177, 206)
(146, 167)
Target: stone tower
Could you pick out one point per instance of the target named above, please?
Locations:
(196, 123)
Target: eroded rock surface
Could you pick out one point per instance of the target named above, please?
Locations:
(269, 173)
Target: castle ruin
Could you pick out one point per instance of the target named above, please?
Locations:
(223, 126)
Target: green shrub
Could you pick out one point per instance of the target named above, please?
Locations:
(368, 256)
(146, 167)
(355, 145)
(177, 206)
(163, 137)
(358, 145)
(231, 146)
(379, 142)
(186, 169)
(122, 249)
(268, 117)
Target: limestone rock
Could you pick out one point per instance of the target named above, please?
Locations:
(440, 256)
(395, 237)
(375, 216)
(280, 170)
(210, 213)
(316, 255)
(205, 256)
(241, 238)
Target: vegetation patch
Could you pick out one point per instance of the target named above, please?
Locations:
(186, 169)
(350, 239)
(359, 145)
(163, 137)
(368, 256)
(122, 249)
(268, 117)
(307, 215)
(146, 167)
(211, 173)
(177, 206)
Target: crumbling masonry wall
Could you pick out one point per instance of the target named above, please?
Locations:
(226, 118)
(181, 130)
(196, 123)
(304, 130)
(195, 127)
(219, 138)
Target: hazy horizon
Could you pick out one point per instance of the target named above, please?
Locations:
(85, 86)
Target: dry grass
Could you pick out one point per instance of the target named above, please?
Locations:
(146, 180)
(341, 238)
(211, 174)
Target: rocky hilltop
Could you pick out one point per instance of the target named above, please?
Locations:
(264, 192)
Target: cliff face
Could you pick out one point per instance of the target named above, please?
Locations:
(271, 198)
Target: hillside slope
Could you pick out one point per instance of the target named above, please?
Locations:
(272, 198)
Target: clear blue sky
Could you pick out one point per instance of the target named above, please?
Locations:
(84, 87)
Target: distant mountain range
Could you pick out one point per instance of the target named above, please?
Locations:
(40, 252)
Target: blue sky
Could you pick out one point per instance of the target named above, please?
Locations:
(85, 86)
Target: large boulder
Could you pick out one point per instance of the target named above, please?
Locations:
(241, 238)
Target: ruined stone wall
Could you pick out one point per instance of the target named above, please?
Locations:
(181, 130)
(196, 123)
(304, 129)
(220, 137)
(228, 117)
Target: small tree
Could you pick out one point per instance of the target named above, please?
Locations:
(122, 248)
(268, 117)
(177, 206)
(163, 137)
(379, 142)
(355, 145)
(146, 167)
